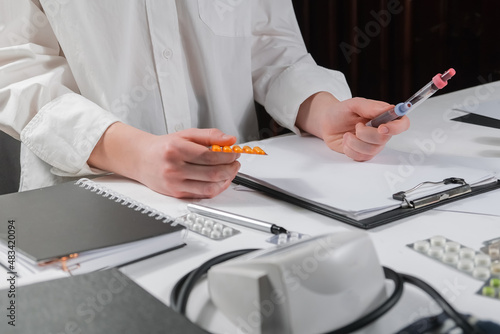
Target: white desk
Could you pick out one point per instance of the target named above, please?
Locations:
(159, 274)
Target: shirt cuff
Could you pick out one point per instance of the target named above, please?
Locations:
(296, 84)
(64, 133)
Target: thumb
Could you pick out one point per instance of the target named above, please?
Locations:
(369, 109)
(208, 137)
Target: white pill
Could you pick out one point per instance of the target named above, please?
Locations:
(452, 246)
(467, 253)
(196, 227)
(450, 258)
(218, 227)
(465, 265)
(200, 220)
(227, 231)
(206, 231)
(294, 235)
(191, 217)
(209, 223)
(215, 234)
(438, 241)
(422, 246)
(436, 252)
(481, 273)
(482, 260)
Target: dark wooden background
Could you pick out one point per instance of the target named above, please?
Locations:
(422, 38)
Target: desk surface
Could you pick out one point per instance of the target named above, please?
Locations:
(159, 274)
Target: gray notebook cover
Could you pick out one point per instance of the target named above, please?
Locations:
(64, 219)
(99, 302)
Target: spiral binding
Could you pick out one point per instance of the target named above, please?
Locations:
(124, 200)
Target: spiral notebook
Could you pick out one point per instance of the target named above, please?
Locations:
(80, 227)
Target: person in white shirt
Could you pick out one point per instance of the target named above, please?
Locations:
(141, 88)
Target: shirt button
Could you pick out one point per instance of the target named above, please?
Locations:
(179, 127)
(167, 53)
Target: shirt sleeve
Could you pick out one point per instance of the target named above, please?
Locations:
(284, 73)
(39, 99)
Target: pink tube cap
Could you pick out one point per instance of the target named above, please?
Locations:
(441, 80)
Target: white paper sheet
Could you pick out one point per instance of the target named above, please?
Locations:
(307, 168)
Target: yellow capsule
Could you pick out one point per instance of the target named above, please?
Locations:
(258, 150)
(227, 149)
(247, 149)
(237, 149)
(216, 148)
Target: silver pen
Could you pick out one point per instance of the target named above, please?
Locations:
(236, 219)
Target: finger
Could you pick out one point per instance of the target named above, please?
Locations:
(208, 137)
(395, 127)
(359, 150)
(191, 152)
(200, 189)
(210, 173)
(371, 135)
(367, 108)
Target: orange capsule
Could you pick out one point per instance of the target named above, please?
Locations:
(258, 150)
(247, 149)
(237, 149)
(216, 148)
(227, 149)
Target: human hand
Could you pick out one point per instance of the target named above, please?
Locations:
(341, 124)
(177, 164)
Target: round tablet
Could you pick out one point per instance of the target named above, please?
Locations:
(209, 223)
(450, 258)
(467, 253)
(227, 231)
(452, 246)
(197, 227)
(465, 265)
(482, 260)
(422, 246)
(436, 252)
(481, 273)
(218, 227)
(191, 217)
(215, 234)
(488, 291)
(438, 241)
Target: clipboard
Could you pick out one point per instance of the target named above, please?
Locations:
(420, 205)
(305, 172)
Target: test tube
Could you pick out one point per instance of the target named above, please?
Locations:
(438, 82)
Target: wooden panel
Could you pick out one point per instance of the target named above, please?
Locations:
(421, 39)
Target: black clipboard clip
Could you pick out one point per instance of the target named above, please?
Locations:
(463, 188)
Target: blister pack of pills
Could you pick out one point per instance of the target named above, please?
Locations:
(284, 238)
(208, 227)
(456, 255)
(238, 149)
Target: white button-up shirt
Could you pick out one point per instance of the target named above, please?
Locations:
(71, 68)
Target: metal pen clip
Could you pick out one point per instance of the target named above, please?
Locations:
(433, 198)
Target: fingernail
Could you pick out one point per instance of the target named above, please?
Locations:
(227, 137)
(383, 130)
